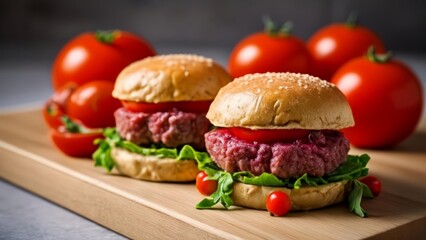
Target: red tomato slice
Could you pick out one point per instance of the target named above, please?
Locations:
(52, 114)
(269, 135)
(186, 106)
(78, 145)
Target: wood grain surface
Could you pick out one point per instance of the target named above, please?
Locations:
(139, 209)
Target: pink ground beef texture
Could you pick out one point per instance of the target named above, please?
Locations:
(172, 129)
(318, 154)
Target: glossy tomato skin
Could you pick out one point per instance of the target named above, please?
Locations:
(85, 58)
(373, 183)
(204, 185)
(56, 106)
(52, 113)
(336, 44)
(186, 106)
(386, 101)
(278, 203)
(79, 145)
(63, 94)
(260, 53)
(93, 105)
(268, 135)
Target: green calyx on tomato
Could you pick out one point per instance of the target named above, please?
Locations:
(378, 58)
(106, 37)
(272, 29)
(268, 135)
(186, 106)
(352, 20)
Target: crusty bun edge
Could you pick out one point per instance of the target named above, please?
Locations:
(152, 168)
(305, 198)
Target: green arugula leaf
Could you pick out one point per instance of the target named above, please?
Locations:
(352, 169)
(355, 197)
(222, 193)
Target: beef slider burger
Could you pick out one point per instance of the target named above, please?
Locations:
(280, 132)
(165, 99)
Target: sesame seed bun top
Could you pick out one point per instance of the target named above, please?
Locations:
(281, 101)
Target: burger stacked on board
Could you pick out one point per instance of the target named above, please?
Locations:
(162, 122)
(280, 132)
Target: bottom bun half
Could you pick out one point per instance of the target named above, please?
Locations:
(305, 198)
(152, 168)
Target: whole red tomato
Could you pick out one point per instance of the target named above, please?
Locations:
(373, 183)
(204, 185)
(335, 44)
(100, 55)
(93, 105)
(278, 203)
(274, 50)
(385, 97)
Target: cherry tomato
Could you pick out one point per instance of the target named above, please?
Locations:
(385, 97)
(100, 55)
(335, 44)
(75, 144)
(205, 186)
(93, 105)
(52, 114)
(268, 135)
(269, 52)
(186, 106)
(278, 203)
(373, 183)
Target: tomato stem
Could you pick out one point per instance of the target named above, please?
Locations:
(272, 29)
(378, 58)
(106, 37)
(352, 20)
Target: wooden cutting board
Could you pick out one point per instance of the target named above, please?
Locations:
(139, 209)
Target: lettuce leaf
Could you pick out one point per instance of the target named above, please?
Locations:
(102, 155)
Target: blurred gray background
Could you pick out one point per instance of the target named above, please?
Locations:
(216, 23)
